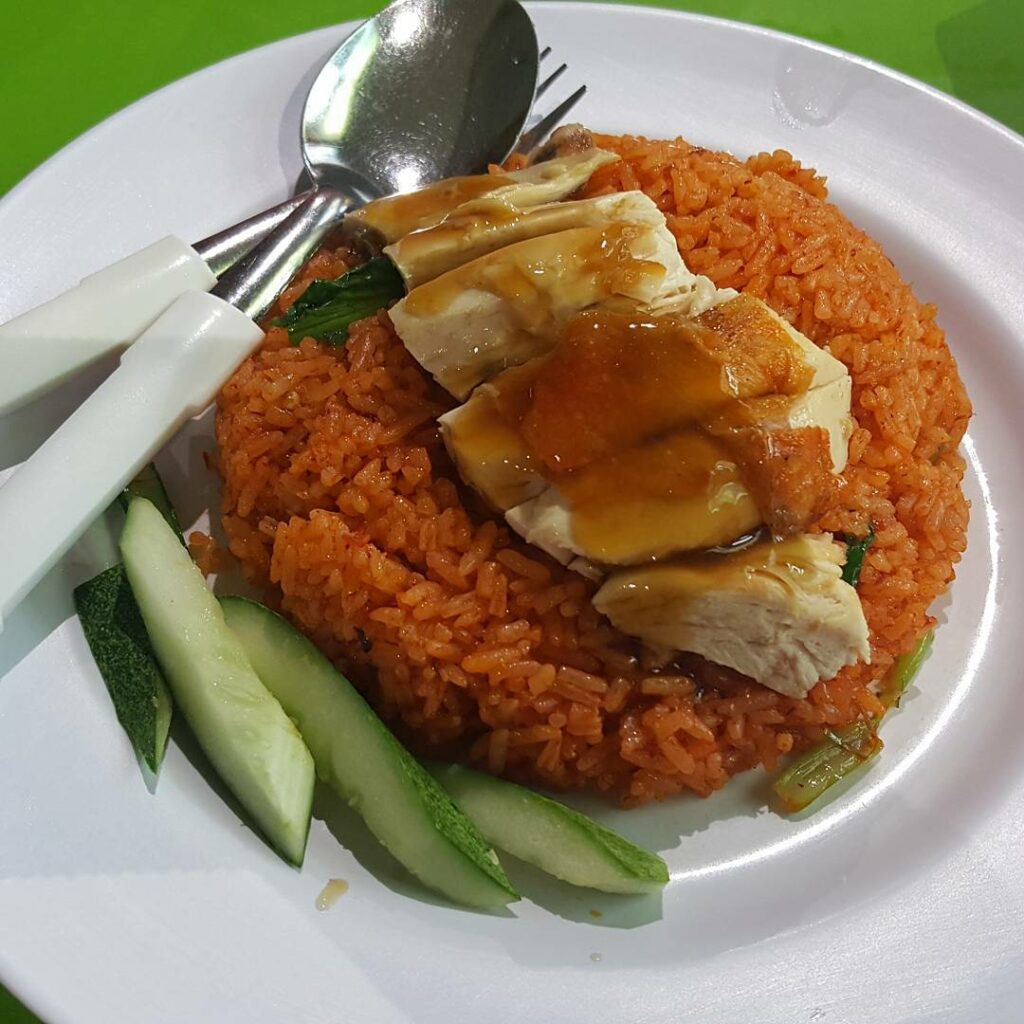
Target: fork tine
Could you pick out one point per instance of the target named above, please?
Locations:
(550, 80)
(544, 53)
(533, 137)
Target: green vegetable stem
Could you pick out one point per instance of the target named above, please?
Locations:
(824, 765)
(844, 750)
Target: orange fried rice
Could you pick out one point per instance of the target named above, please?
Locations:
(341, 503)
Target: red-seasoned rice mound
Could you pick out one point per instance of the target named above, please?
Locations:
(340, 500)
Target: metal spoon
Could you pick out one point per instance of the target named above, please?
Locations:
(423, 90)
(426, 89)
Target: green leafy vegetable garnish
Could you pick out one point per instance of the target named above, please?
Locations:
(846, 749)
(856, 549)
(326, 309)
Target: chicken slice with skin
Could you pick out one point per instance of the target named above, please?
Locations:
(603, 463)
(484, 225)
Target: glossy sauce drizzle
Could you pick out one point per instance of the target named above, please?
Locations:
(570, 269)
(655, 430)
(483, 226)
(395, 216)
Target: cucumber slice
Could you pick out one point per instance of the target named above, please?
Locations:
(248, 738)
(147, 484)
(357, 756)
(117, 637)
(555, 838)
(120, 646)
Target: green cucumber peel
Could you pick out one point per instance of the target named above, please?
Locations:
(546, 833)
(121, 648)
(147, 484)
(119, 643)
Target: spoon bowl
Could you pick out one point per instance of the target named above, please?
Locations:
(426, 89)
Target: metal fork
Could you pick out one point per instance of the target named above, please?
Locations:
(537, 133)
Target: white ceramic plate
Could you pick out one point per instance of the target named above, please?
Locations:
(899, 901)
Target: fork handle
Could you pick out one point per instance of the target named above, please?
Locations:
(49, 344)
(171, 373)
(109, 309)
(224, 249)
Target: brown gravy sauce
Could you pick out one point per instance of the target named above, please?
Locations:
(395, 216)
(574, 268)
(484, 218)
(655, 427)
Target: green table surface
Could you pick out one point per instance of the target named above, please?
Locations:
(67, 66)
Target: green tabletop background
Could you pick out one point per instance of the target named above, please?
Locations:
(66, 65)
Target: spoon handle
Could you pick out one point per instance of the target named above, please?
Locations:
(254, 283)
(171, 373)
(223, 250)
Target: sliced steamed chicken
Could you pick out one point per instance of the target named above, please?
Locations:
(394, 217)
(676, 493)
(621, 410)
(509, 306)
(777, 612)
(629, 488)
(747, 423)
(484, 225)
